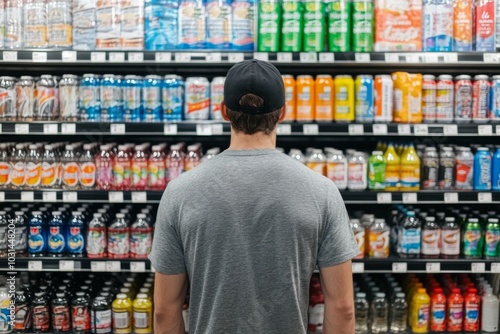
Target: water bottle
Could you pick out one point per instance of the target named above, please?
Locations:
(399, 314)
(379, 314)
(409, 236)
(361, 313)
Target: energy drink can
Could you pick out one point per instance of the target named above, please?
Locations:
(444, 99)
(364, 98)
(339, 25)
(110, 99)
(324, 98)
(429, 89)
(344, 98)
(383, 89)
(446, 168)
(197, 99)
(362, 25)
(151, 97)
(269, 26)
(7, 98)
(463, 99)
(45, 98)
(480, 95)
(430, 171)
(290, 97)
(495, 99)
(464, 165)
(482, 169)
(173, 98)
(216, 98)
(68, 97)
(90, 98)
(132, 98)
(314, 25)
(291, 27)
(305, 98)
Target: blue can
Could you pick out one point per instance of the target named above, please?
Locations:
(365, 101)
(151, 97)
(482, 169)
(56, 240)
(495, 170)
(120, 81)
(37, 235)
(132, 98)
(75, 245)
(110, 99)
(173, 98)
(90, 103)
(495, 99)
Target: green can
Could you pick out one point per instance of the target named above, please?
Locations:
(492, 239)
(376, 171)
(362, 25)
(292, 25)
(314, 26)
(269, 26)
(339, 25)
(472, 239)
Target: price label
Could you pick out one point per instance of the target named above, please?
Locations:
(67, 265)
(235, 57)
(113, 266)
(163, 57)
(35, 265)
(68, 128)
(484, 198)
(70, 197)
(451, 197)
(138, 267)
(308, 57)
(450, 57)
(399, 267)
(326, 57)
(0, 128)
(410, 198)
(384, 198)
(380, 129)
(478, 267)
(356, 129)
(491, 58)
(27, 196)
(203, 129)
(117, 57)
(264, 56)
(431, 58)
(497, 130)
(9, 55)
(284, 129)
(404, 129)
(98, 57)
(495, 268)
(117, 129)
(115, 197)
(450, 130)
(139, 197)
(2, 196)
(214, 57)
(395, 58)
(362, 57)
(170, 129)
(433, 267)
(358, 267)
(49, 196)
(421, 130)
(485, 130)
(217, 129)
(285, 57)
(311, 129)
(415, 58)
(68, 56)
(182, 57)
(135, 57)
(22, 128)
(39, 57)
(98, 266)
(50, 129)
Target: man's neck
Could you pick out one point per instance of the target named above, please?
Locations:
(258, 141)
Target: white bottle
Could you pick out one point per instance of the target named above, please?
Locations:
(317, 161)
(490, 308)
(357, 178)
(297, 155)
(336, 169)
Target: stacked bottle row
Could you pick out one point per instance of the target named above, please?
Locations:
(78, 231)
(400, 97)
(110, 98)
(412, 233)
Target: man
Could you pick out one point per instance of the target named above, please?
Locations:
(248, 228)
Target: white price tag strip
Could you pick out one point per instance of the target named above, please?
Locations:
(404, 129)
(35, 265)
(9, 55)
(217, 129)
(421, 130)
(113, 266)
(98, 266)
(117, 57)
(326, 57)
(22, 128)
(362, 57)
(410, 198)
(380, 129)
(284, 129)
(384, 198)
(69, 56)
(117, 129)
(497, 130)
(0, 128)
(358, 267)
(485, 130)
(399, 267)
(308, 57)
(450, 130)
(27, 196)
(203, 129)
(495, 268)
(264, 56)
(2, 196)
(67, 265)
(68, 128)
(170, 129)
(70, 197)
(139, 197)
(356, 129)
(478, 267)
(431, 58)
(163, 57)
(235, 57)
(98, 57)
(484, 197)
(50, 129)
(214, 57)
(135, 57)
(39, 57)
(138, 267)
(451, 197)
(311, 129)
(285, 57)
(491, 58)
(395, 58)
(115, 197)
(415, 58)
(433, 267)
(49, 196)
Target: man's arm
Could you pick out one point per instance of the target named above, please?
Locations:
(170, 295)
(336, 283)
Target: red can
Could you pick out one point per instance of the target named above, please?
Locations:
(463, 98)
(480, 98)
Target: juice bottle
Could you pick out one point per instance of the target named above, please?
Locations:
(376, 171)
(87, 168)
(472, 239)
(174, 162)
(392, 169)
(157, 178)
(139, 169)
(143, 314)
(4, 167)
(119, 238)
(344, 98)
(290, 97)
(438, 311)
(317, 161)
(33, 167)
(410, 170)
(70, 169)
(359, 235)
(122, 314)
(336, 169)
(121, 169)
(324, 98)
(420, 310)
(472, 305)
(455, 312)
(492, 239)
(18, 167)
(378, 239)
(97, 241)
(192, 158)
(104, 167)
(305, 98)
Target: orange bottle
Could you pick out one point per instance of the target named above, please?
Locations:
(455, 312)
(472, 305)
(438, 311)
(305, 98)
(33, 167)
(324, 98)
(290, 97)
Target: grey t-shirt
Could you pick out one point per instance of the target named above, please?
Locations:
(249, 228)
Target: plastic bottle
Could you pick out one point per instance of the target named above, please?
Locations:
(122, 314)
(410, 236)
(398, 314)
(104, 166)
(80, 314)
(87, 168)
(121, 169)
(70, 169)
(157, 169)
(4, 223)
(359, 234)
(438, 311)
(357, 172)
(193, 157)
(482, 169)
(60, 313)
(100, 316)
(316, 310)
(40, 313)
(379, 316)
(56, 240)
(490, 311)
(431, 238)
(21, 235)
(18, 167)
(420, 309)
(361, 308)
(472, 239)
(174, 162)
(118, 238)
(336, 169)
(492, 239)
(37, 235)
(317, 161)
(472, 309)
(75, 235)
(495, 167)
(378, 239)
(23, 317)
(410, 170)
(97, 240)
(455, 312)
(141, 237)
(430, 170)
(33, 167)
(139, 169)
(450, 238)
(392, 169)
(376, 171)
(5, 323)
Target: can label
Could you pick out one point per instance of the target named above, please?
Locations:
(463, 26)
(444, 101)
(480, 106)
(269, 25)
(429, 100)
(485, 26)
(197, 100)
(314, 26)
(364, 99)
(362, 26)
(218, 24)
(339, 25)
(243, 25)
(383, 99)
(463, 100)
(495, 100)
(291, 28)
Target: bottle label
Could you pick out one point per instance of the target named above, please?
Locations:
(141, 241)
(142, 320)
(60, 318)
(5, 171)
(157, 174)
(76, 243)
(410, 176)
(423, 315)
(23, 317)
(56, 242)
(70, 173)
(410, 241)
(87, 174)
(41, 318)
(471, 315)
(103, 321)
(318, 167)
(337, 172)
(357, 176)
(49, 174)
(96, 242)
(21, 238)
(378, 244)
(36, 240)
(392, 176)
(5, 322)
(121, 321)
(139, 174)
(104, 174)
(18, 174)
(438, 316)
(430, 242)
(456, 315)
(359, 236)
(33, 174)
(81, 318)
(471, 242)
(121, 174)
(316, 316)
(118, 242)
(491, 238)
(450, 242)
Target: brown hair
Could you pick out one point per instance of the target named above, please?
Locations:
(251, 124)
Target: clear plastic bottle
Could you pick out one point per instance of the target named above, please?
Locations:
(399, 314)
(409, 239)
(104, 166)
(431, 238)
(359, 234)
(141, 237)
(119, 238)
(97, 240)
(121, 168)
(139, 169)
(361, 309)
(193, 157)
(33, 167)
(378, 239)
(18, 167)
(336, 169)
(157, 169)
(379, 310)
(21, 234)
(50, 168)
(317, 161)
(450, 238)
(357, 172)
(87, 168)
(70, 169)
(175, 162)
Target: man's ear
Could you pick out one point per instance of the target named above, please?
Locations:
(223, 111)
(282, 114)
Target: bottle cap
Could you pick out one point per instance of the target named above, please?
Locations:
(125, 290)
(380, 295)
(141, 215)
(35, 213)
(142, 296)
(76, 213)
(492, 220)
(473, 220)
(449, 219)
(430, 219)
(120, 215)
(361, 295)
(400, 295)
(100, 298)
(473, 290)
(80, 293)
(19, 213)
(421, 290)
(97, 215)
(121, 296)
(377, 153)
(144, 290)
(379, 221)
(410, 213)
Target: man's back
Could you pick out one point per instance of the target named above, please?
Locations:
(249, 228)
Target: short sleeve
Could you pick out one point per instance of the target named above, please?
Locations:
(167, 254)
(336, 243)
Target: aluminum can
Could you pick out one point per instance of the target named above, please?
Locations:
(68, 97)
(119, 117)
(364, 98)
(305, 98)
(323, 96)
(151, 97)
(216, 97)
(384, 90)
(344, 99)
(481, 100)
(111, 96)
(495, 99)
(290, 97)
(444, 99)
(482, 169)
(132, 98)
(90, 98)
(463, 99)
(25, 98)
(197, 99)
(45, 98)
(464, 167)
(430, 170)
(446, 168)
(173, 98)
(429, 89)
(7, 98)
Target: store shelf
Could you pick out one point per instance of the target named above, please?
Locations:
(214, 128)
(75, 264)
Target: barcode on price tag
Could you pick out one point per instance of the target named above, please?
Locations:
(235, 57)
(170, 129)
(478, 267)
(214, 57)
(203, 129)
(70, 197)
(113, 266)
(99, 266)
(384, 198)
(9, 56)
(433, 267)
(115, 197)
(380, 129)
(285, 57)
(451, 197)
(326, 57)
(136, 57)
(50, 129)
(49, 196)
(362, 57)
(404, 129)
(22, 128)
(139, 197)
(308, 57)
(35, 265)
(410, 198)
(284, 129)
(484, 197)
(358, 267)
(356, 129)
(137, 267)
(117, 129)
(311, 129)
(163, 57)
(39, 57)
(264, 56)
(450, 130)
(495, 268)
(117, 57)
(485, 130)
(68, 56)
(98, 57)
(27, 196)
(68, 128)
(399, 267)
(421, 130)
(67, 265)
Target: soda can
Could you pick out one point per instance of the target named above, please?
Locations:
(482, 169)
(464, 168)
(339, 25)
(151, 97)
(110, 99)
(173, 98)
(216, 98)
(90, 98)
(383, 89)
(480, 95)
(364, 98)
(119, 117)
(463, 99)
(429, 89)
(446, 179)
(290, 97)
(362, 25)
(344, 98)
(132, 98)
(68, 97)
(444, 98)
(305, 98)
(495, 99)
(430, 169)
(292, 25)
(45, 101)
(324, 98)
(197, 99)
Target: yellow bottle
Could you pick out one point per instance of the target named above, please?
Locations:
(419, 312)
(410, 170)
(122, 314)
(392, 169)
(143, 314)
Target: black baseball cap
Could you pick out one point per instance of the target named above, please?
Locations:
(254, 77)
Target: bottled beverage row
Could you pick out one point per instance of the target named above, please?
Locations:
(78, 231)
(110, 98)
(400, 167)
(127, 25)
(428, 233)
(400, 97)
(79, 303)
(374, 25)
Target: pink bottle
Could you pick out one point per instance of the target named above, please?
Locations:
(121, 169)
(104, 166)
(139, 169)
(157, 169)
(175, 162)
